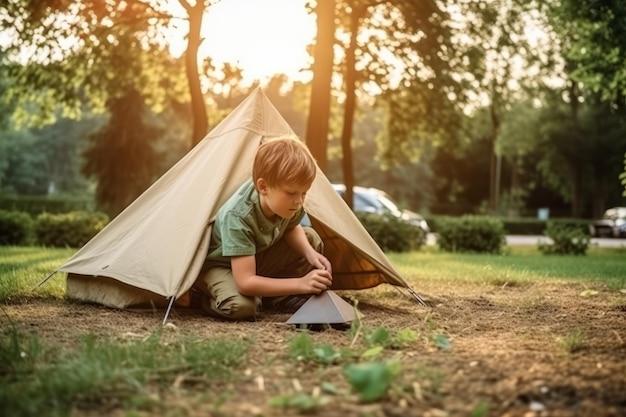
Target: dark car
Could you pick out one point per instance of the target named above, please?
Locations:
(373, 200)
(612, 223)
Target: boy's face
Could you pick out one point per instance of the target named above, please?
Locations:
(281, 200)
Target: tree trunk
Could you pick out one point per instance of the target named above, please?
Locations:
(198, 106)
(495, 168)
(350, 105)
(319, 110)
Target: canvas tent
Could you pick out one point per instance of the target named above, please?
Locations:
(153, 251)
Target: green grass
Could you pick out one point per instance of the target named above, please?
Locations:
(520, 265)
(37, 380)
(23, 268)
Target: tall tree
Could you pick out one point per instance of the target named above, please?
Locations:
(319, 109)
(195, 13)
(593, 38)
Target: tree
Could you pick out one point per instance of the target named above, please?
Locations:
(319, 109)
(592, 38)
(84, 51)
(121, 154)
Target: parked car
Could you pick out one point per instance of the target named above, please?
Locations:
(373, 200)
(612, 223)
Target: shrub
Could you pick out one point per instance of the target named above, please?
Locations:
(72, 229)
(35, 205)
(471, 233)
(391, 233)
(15, 228)
(567, 240)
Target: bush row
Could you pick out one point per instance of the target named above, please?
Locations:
(467, 233)
(72, 229)
(487, 235)
(391, 233)
(521, 226)
(38, 204)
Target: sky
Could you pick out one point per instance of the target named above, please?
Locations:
(263, 37)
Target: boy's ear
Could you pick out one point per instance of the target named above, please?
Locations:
(261, 186)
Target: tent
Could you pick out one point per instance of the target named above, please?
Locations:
(152, 252)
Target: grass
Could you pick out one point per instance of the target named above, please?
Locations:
(521, 265)
(39, 379)
(23, 268)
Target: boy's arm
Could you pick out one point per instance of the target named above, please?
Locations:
(249, 283)
(296, 238)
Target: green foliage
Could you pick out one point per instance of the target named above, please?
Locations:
(300, 401)
(573, 341)
(121, 155)
(72, 229)
(15, 228)
(117, 48)
(622, 177)
(383, 337)
(471, 233)
(35, 205)
(391, 233)
(301, 346)
(371, 380)
(565, 240)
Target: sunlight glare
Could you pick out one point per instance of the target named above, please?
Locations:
(263, 38)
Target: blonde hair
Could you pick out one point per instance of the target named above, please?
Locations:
(284, 160)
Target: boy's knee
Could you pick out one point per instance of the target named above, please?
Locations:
(314, 239)
(236, 307)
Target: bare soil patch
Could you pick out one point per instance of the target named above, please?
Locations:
(509, 351)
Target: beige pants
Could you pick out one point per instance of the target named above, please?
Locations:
(220, 295)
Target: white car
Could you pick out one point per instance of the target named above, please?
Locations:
(612, 223)
(373, 200)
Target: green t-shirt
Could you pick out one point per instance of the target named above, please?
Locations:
(241, 228)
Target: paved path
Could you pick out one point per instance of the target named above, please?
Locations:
(514, 240)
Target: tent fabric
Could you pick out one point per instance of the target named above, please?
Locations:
(155, 248)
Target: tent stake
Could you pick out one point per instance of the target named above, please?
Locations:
(46, 279)
(169, 307)
(414, 294)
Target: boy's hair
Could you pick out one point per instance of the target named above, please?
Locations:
(284, 160)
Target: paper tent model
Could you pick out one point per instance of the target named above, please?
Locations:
(153, 251)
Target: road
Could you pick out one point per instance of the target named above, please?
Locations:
(513, 240)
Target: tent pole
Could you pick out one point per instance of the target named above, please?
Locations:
(414, 294)
(169, 308)
(46, 279)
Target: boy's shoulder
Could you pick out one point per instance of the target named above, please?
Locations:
(242, 203)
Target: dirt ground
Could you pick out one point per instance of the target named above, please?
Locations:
(508, 354)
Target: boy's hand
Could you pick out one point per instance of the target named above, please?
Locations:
(316, 281)
(319, 261)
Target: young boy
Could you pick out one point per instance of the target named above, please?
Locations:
(258, 248)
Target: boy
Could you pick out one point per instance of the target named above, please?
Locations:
(257, 238)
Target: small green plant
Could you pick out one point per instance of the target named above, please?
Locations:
(481, 410)
(301, 347)
(573, 341)
(371, 380)
(299, 401)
